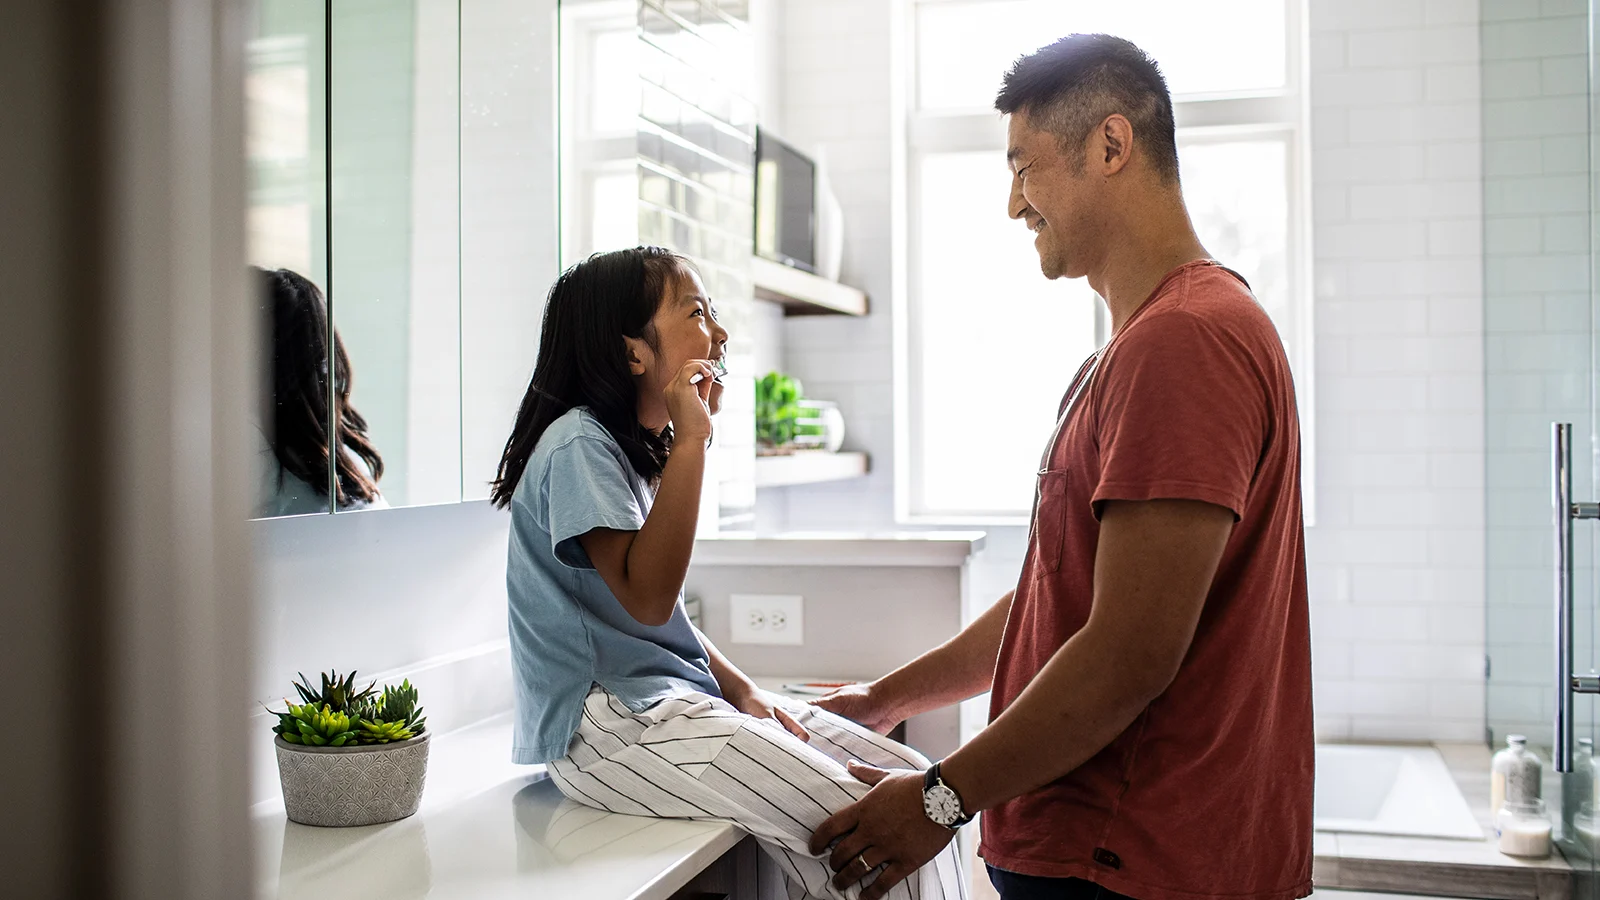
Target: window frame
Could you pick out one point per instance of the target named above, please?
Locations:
(1198, 118)
(588, 154)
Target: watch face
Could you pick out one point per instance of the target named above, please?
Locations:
(942, 805)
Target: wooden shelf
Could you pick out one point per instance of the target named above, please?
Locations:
(809, 467)
(802, 293)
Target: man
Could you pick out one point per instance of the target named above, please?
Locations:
(1150, 728)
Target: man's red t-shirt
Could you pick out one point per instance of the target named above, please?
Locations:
(1208, 793)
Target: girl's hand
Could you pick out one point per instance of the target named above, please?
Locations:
(762, 705)
(689, 405)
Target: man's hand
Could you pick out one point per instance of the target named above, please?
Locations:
(886, 828)
(867, 705)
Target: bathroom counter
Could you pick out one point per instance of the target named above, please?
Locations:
(487, 829)
(892, 549)
(1456, 868)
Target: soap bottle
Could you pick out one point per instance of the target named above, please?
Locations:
(1515, 775)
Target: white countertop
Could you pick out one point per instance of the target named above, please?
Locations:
(906, 548)
(487, 829)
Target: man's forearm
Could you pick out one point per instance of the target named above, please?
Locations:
(1078, 704)
(959, 668)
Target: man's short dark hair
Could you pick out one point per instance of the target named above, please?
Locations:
(1071, 86)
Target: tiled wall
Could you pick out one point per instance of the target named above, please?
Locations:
(1396, 556)
(1537, 321)
(696, 194)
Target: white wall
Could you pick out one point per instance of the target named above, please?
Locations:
(1397, 577)
(416, 593)
(1396, 558)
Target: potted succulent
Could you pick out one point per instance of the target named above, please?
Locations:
(349, 757)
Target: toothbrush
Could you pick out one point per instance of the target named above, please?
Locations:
(720, 367)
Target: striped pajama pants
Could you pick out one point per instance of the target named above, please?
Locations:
(696, 757)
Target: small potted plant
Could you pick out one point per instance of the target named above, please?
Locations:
(348, 757)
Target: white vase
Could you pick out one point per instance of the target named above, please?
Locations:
(830, 227)
(345, 786)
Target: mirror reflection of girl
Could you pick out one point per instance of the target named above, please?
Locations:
(294, 414)
(631, 706)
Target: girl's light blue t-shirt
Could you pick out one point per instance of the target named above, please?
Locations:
(568, 631)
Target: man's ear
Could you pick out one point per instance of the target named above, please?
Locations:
(1116, 141)
(639, 355)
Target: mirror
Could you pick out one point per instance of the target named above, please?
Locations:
(396, 249)
(286, 150)
(403, 228)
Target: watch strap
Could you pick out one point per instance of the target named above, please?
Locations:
(932, 779)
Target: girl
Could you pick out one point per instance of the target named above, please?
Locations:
(630, 705)
(294, 418)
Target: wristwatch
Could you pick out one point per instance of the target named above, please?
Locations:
(940, 801)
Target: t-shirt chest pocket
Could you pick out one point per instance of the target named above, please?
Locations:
(1048, 536)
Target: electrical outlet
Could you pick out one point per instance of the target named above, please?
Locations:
(767, 618)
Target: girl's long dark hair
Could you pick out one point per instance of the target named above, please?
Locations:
(296, 425)
(583, 360)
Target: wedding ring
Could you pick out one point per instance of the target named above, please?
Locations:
(861, 858)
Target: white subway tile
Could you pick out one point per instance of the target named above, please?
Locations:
(1372, 240)
(1446, 664)
(1456, 160)
(1348, 15)
(1373, 124)
(1456, 237)
(1545, 272)
(1330, 727)
(1534, 39)
(1451, 12)
(1514, 234)
(1455, 121)
(1539, 115)
(1453, 82)
(1456, 315)
(1327, 52)
(1390, 48)
(1513, 156)
(1566, 313)
(1508, 10)
(1564, 75)
(1370, 164)
(1563, 7)
(1565, 155)
(1456, 470)
(1450, 44)
(1461, 623)
(1329, 203)
(1511, 79)
(1536, 195)
(1330, 127)
(1385, 698)
(1456, 392)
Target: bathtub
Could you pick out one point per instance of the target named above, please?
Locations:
(1390, 790)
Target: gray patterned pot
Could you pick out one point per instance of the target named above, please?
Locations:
(351, 785)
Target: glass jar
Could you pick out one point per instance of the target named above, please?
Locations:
(1515, 775)
(1523, 829)
(1583, 767)
(1587, 831)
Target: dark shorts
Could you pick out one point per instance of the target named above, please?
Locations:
(1033, 887)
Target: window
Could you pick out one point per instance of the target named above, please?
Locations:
(600, 116)
(991, 345)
